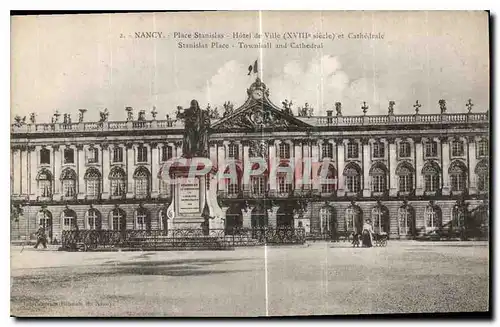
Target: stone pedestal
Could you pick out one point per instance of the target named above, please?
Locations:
(193, 206)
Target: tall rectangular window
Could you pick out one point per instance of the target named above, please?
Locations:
(233, 150)
(117, 154)
(45, 157)
(482, 148)
(284, 151)
(457, 148)
(327, 150)
(431, 149)
(142, 154)
(352, 150)
(378, 150)
(404, 149)
(69, 156)
(93, 155)
(166, 153)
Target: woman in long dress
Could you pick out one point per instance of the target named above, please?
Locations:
(367, 235)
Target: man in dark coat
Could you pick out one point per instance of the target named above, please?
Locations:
(41, 238)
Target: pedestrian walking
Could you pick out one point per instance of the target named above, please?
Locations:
(41, 238)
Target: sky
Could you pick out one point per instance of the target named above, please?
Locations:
(69, 62)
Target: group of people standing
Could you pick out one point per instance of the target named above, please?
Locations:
(366, 236)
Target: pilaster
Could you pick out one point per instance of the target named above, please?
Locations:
(57, 171)
(366, 168)
(340, 166)
(130, 169)
(393, 187)
(106, 161)
(33, 163)
(80, 157)
(471, 154)
(419, 164)
(155, 162)
(445, 157)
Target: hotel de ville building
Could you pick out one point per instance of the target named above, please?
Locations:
(413, 175)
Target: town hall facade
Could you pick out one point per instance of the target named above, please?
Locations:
(411, 174)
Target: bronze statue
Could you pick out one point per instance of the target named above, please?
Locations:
(196, 126)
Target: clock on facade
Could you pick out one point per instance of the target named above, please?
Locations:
(257, 94)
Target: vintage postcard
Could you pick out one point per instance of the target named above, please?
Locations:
(250, 164)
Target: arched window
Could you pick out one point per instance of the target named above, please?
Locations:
(405, 174)
(45, 219)
(458, 176)
(142, 221)
(353, 218)
(327, 150)
(118, 219)
(164, 187)
(482, 174)
(69, 220)
(431, 173)
(141, 178)
(68, 179)
(458, 217)
(432, 217)
(117, 179)
(380, 220)
(93, 183)
(327, 224)
(163, 221)
(378, 176)
(44, 179)
(94, 221)
(405, 221)
(284, 151)
(328, 179)
(352, 178)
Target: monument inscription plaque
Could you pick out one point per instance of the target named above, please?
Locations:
(189, 196)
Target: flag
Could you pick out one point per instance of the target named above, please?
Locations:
(253, 68)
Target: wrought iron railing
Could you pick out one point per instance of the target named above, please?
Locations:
(180, 238)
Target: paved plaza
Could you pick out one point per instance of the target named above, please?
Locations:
(313, 279)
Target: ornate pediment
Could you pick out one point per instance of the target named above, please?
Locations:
(258, 117)
(258, 112)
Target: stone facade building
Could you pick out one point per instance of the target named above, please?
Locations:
(410, 174)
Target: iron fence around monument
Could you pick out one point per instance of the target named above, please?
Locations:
(180, 238)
